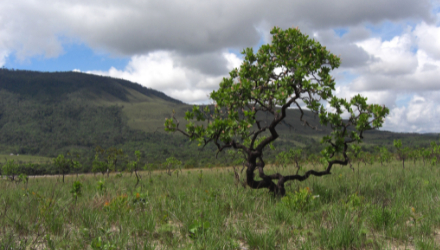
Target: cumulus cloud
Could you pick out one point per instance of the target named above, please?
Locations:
(421, 115)
(428, 39)
(396, 66)
(139, 27)
(162, 70)
(404, 67)
(390, 57)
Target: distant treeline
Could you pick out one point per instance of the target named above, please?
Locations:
(118, 160)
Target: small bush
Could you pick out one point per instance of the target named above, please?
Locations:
(301, 200)
(382, 217)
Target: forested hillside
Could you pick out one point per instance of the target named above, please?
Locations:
(51, 113)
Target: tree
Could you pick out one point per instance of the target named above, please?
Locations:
(414, 154)
(74, 162)
(402, 153)
(76, 190)
(425, 153)
(10, 169)
(133, 166)
(172, 165)
(63, 164)
(384, 155)
(113, 154)
(98, 165)
(106, 159)
(291, 156)
(292, 71)
(435, 153)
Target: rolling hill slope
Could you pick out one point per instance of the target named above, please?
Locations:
(50, 113)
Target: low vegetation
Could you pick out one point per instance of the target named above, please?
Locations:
(374, 206)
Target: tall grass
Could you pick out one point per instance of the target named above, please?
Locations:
(375, 208)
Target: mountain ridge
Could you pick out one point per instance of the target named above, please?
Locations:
(31, 83)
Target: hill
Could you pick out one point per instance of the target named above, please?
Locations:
(50, 113)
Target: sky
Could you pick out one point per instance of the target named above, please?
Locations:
(390, 50)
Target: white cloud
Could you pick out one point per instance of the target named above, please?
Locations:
(395, 66)
(138, 27)
(421, 115)
(403, 73)
(233, 61)
(159, 70)
(428, 39)
(390, 57)
(381, 97)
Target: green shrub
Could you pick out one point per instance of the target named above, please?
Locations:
(301, 200)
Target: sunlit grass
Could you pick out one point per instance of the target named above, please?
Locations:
(372, 207)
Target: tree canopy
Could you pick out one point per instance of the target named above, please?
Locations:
(292, 71)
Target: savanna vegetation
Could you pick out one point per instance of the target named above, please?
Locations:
(370, 205)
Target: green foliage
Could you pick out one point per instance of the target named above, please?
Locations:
(383, 217)
(10, 168)
(397, 144)
(384, 155)
(23, 178)
(133, 165)
(172, 165)
(354, 201)
(362, 116)
(301, 200)
(402, 153)
(101, 186)
(198, 228)
(98, 244)
(291, 156)
(64, 165)
(100, 163)
(76, 189)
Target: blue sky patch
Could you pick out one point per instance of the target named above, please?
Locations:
(403, 100)
(340, 31)
(385, 30)
(75, 56)
(345, 78)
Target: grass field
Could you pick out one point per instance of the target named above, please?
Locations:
(25, 159)
(373, 207)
